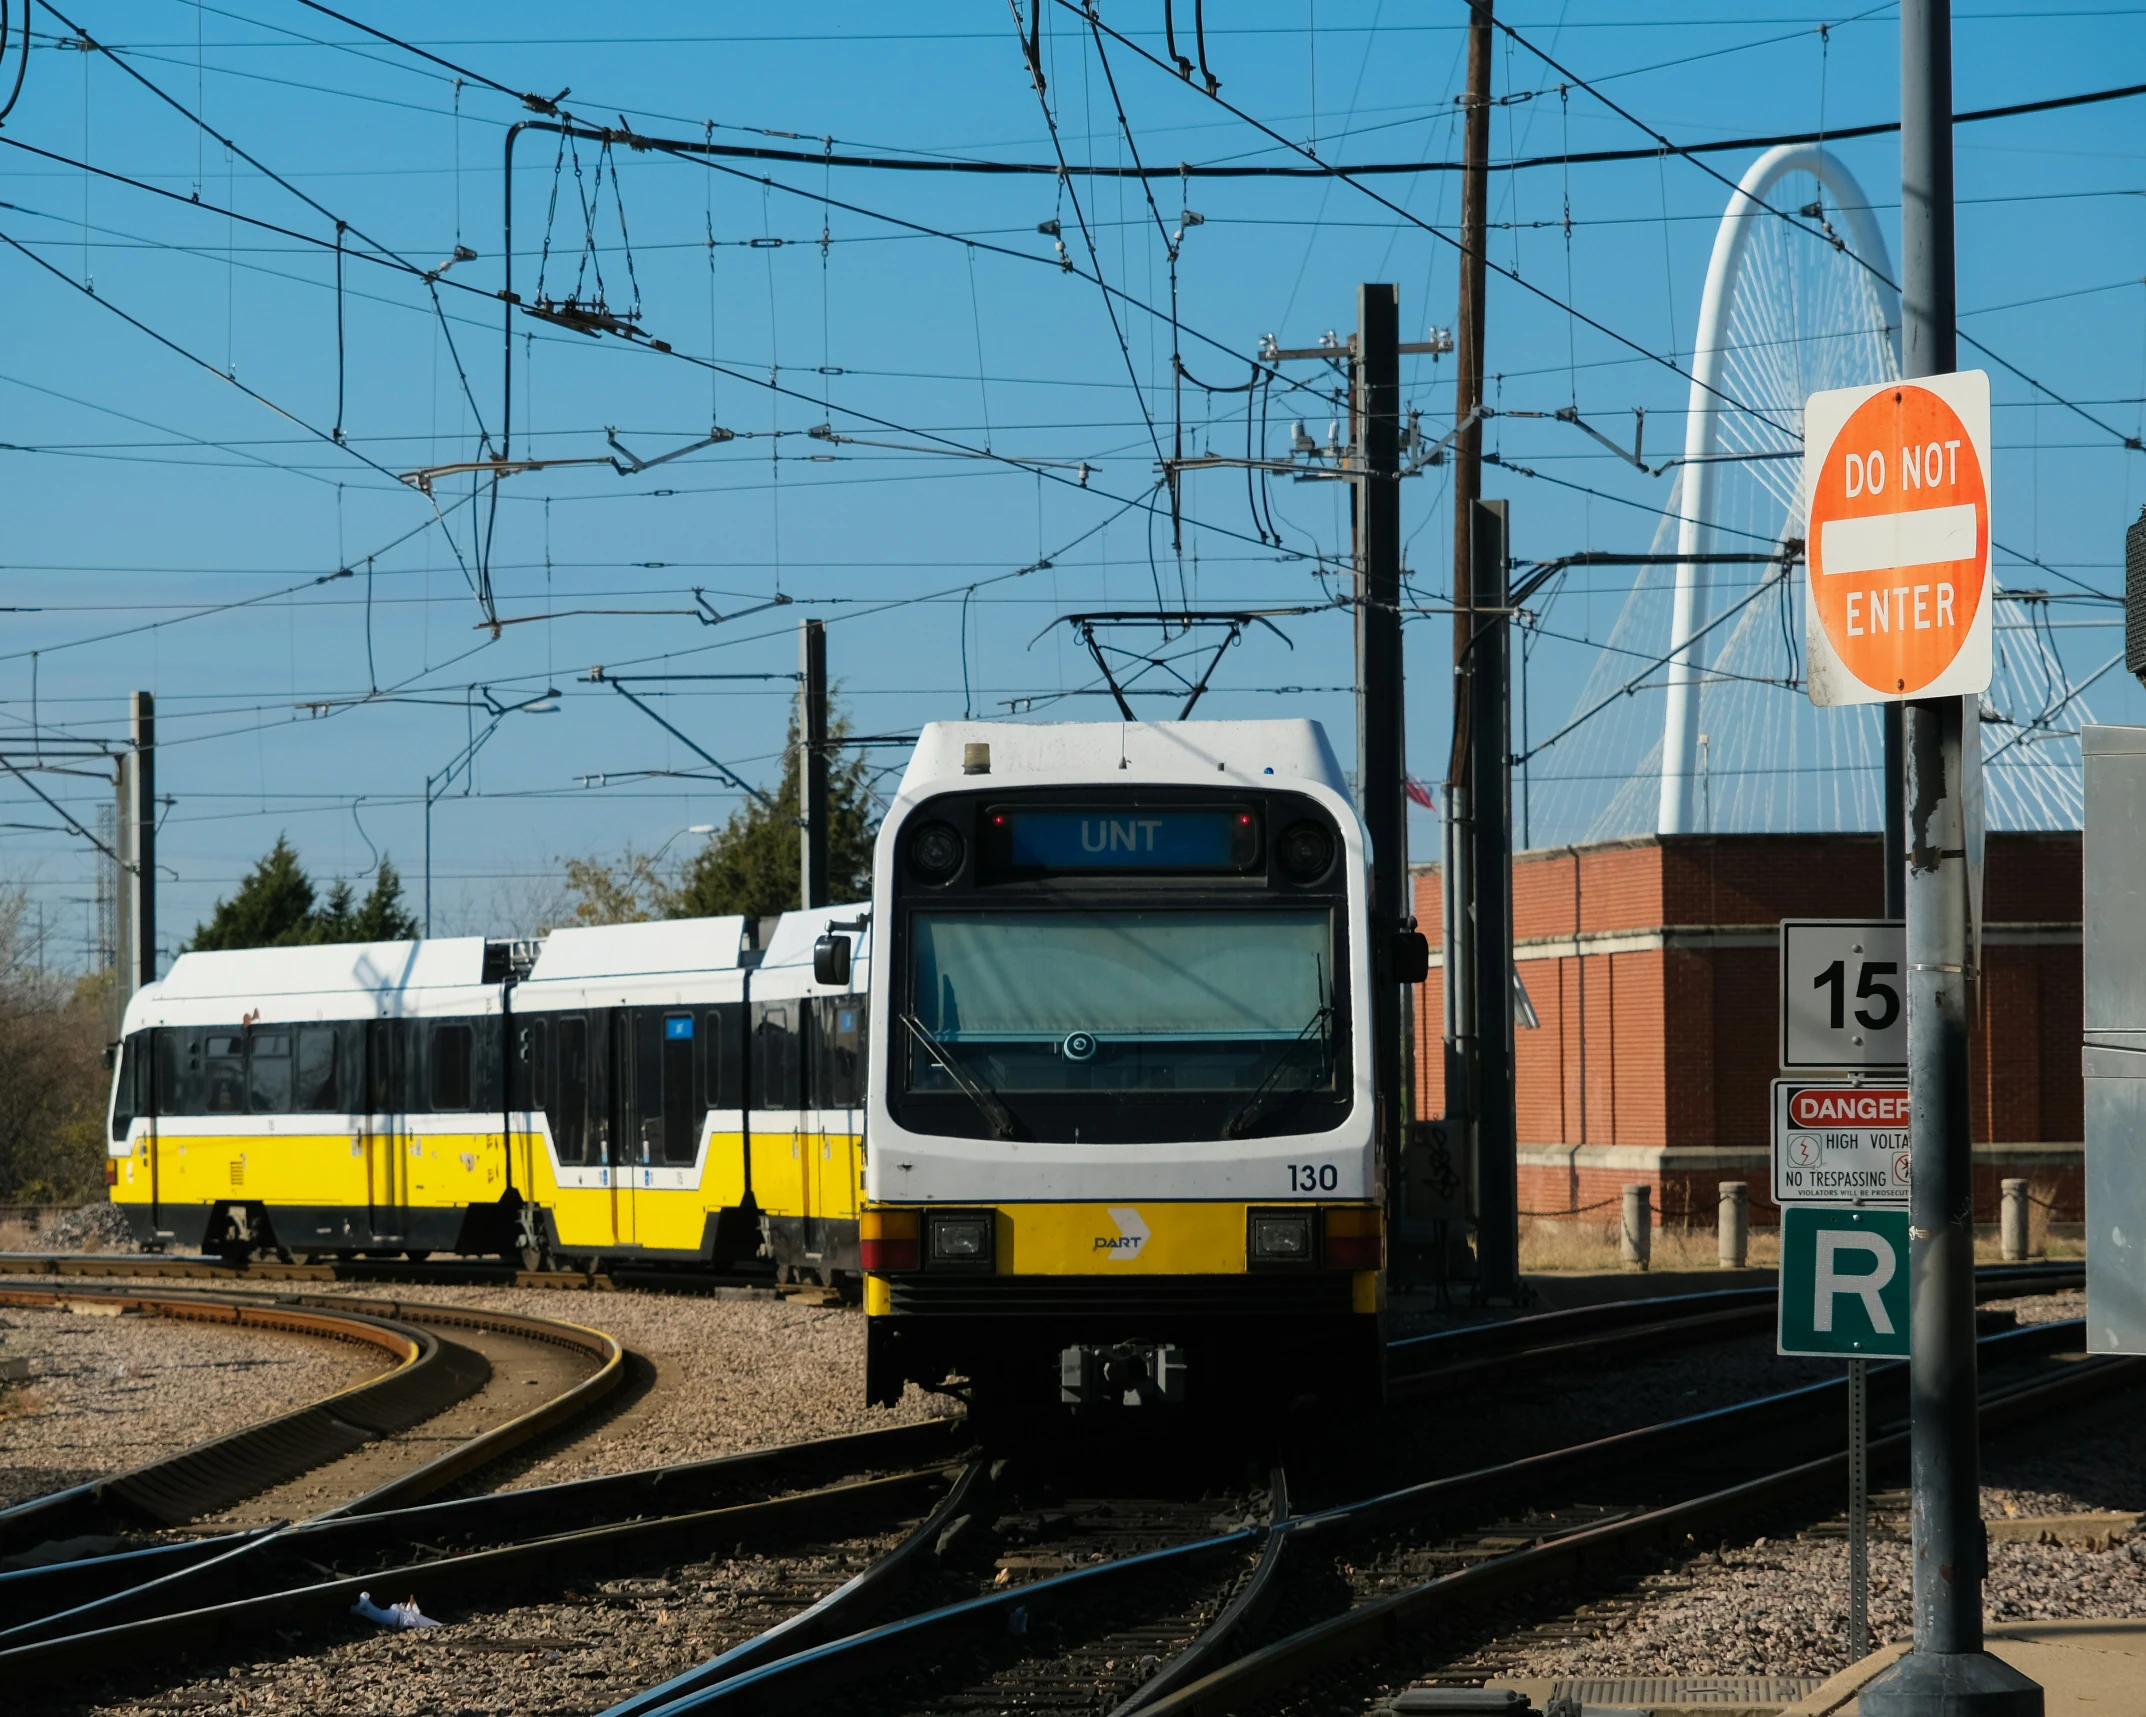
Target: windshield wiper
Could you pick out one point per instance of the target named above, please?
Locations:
(1263, 1098)
(970, 1086)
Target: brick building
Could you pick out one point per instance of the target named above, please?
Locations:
(1650, 964)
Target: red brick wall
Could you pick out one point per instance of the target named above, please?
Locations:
(1676, 1046)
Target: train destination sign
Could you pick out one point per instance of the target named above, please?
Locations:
(1167, 838)
(1835, 1143)
(1898, 598)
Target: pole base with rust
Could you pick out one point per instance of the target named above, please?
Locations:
(1957, 1684)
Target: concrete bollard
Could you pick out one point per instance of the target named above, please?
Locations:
(1638, 1239)
(1732, 1231)
(2012, 1225)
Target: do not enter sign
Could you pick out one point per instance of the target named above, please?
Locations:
(1897, 604)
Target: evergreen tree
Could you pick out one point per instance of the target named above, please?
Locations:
(275, 908)
(382, 917)
(272, 908)
(750, 865)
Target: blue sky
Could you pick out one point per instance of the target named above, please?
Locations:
(142, 487)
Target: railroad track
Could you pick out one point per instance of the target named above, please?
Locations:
(1344, 1594)
(334, 1455)
(443, 1272)
(1183, 1599)
(80, 1618)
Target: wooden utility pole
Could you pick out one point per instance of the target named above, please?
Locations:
(1468, 349)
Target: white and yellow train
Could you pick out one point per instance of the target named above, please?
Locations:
(1120, 1108)
(635, 1092)
(1110, 1138)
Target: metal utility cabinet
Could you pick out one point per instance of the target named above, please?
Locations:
(2115, 1046)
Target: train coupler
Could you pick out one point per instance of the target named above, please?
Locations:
(1133, 1372)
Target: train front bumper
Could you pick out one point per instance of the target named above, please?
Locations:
(1010, 1294)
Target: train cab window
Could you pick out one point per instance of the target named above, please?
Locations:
(130, 1087)
(835, 1056)
(268, 1083)
(223, 1074)
(451, 1059)
(568, 1108)
(722, 1051)
(778, 1061)
(319, 1092)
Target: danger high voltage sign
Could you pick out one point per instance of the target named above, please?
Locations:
(1839, 1144)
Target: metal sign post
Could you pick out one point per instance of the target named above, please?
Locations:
(1858, 1508)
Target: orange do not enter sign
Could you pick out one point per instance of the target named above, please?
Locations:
(1897, 602)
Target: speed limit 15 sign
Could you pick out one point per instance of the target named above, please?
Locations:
(1843, 993)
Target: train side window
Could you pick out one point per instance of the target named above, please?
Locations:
(569, 1106)
(319, 1090)
(452, 1055)
(722, 1031)
(268, 1084)
(778, 1064)
(836, 1057)
(178, 1072)
(223, 1074)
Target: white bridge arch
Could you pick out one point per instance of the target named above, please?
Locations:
(1736, 346)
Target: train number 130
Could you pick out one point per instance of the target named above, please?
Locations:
(1310, 1177)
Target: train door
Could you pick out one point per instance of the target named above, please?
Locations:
(834, 1066)
(621, 1144)
(388, 1138)
(666, 1129)
(776, 1123)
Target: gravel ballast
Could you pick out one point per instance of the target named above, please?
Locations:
(108, 1393)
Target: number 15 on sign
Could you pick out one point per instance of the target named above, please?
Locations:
(1843, 994)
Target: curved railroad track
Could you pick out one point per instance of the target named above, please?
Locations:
(338, 1455)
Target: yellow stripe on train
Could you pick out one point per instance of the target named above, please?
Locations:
(1151, 1238)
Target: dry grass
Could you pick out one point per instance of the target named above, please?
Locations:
(17, 1235)
(21, 1401)
(1576, 1244)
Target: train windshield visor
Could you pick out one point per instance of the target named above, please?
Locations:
(1099, 1001)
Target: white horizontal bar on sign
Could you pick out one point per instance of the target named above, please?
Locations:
(1890, 542)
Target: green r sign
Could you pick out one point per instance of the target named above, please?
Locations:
(1844, 1281)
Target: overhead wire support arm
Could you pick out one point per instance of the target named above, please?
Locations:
(596, 676)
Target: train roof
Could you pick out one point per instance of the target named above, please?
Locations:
(1251, 753)
(443, 962)
(668, 946)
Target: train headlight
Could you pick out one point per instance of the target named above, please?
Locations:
(1306, 851)
(1279, 1237)
(961, 1239)
(936, 850)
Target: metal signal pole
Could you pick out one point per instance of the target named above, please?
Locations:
(1380, 752)
(1948, 1674)
(812, 763)
(1490, 878)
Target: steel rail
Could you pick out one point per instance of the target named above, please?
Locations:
(813, 1674)
(1385, 1623)
(41, 1593)
(428, 1375)
(538, 1561)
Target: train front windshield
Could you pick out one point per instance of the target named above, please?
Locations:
(1132, 1001)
